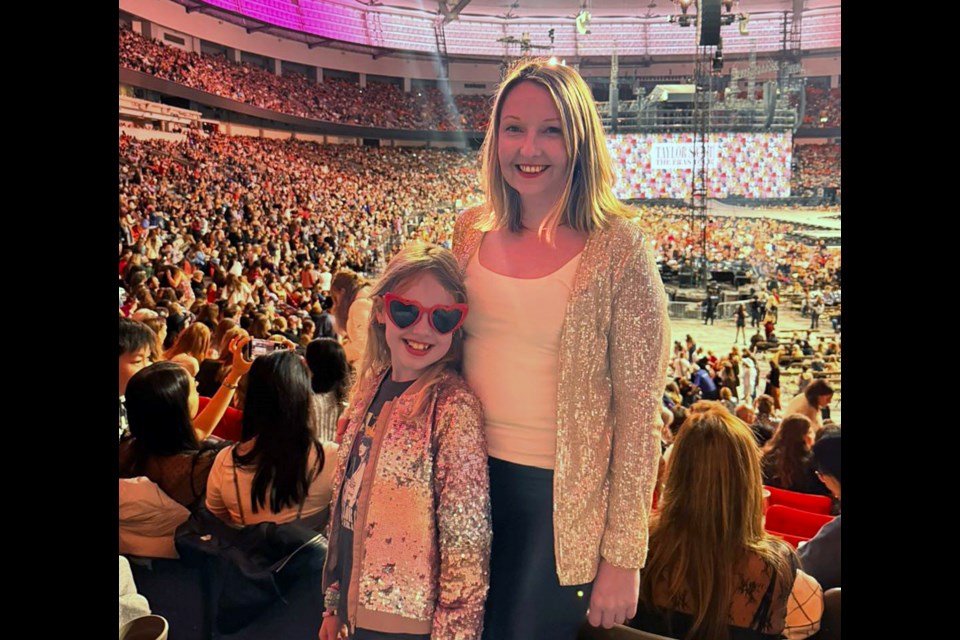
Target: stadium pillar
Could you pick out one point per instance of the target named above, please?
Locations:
(277, 66)
(363, 81)
(406, 85)
(319, 75)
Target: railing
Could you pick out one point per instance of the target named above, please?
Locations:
(720, 120)
(693, 310)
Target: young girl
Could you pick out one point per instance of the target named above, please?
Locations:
(409, 542)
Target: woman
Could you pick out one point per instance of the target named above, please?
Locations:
(764, 424)
(351, 310)
(741, 317)
(216, 338)
(212, 372)
(786, 458)
(691, 347)
(261, 328)
(773, 383)
(167, 435)
(713, 573)
(814, 397)
(191, 348)
(568, 345)
(330, 383)
(209, 315)
(280, 472)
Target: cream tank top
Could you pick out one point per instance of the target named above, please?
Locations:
(511, 358)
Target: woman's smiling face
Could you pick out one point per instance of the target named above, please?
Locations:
(531, 148)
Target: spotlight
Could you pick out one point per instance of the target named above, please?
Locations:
(728, 5)
(684, 5)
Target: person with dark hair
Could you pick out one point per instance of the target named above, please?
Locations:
(330, 382)
(713, 573)
(773, 384)
(741, 317)
(821, 555)
(764, 424)
(815, 396)
(787, 460)
(280, 472)
(322, 318)
(137, 344)
(167, 444)
(213, 371)
(701, 379)
(691, 346)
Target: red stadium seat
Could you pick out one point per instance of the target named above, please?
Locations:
(803, 501)
(794, 521)
(230, 426)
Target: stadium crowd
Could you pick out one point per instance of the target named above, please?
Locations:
(333, 100)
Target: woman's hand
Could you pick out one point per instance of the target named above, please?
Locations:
(332, 628)
(287, 342)
(614, 597)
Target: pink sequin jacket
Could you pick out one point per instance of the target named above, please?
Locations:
(421, 556)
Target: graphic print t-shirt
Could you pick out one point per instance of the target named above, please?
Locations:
(352, 478)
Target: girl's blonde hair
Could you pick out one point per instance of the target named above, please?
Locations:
(587, 201)
(413, 261)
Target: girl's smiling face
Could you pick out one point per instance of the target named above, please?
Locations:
(415, 348)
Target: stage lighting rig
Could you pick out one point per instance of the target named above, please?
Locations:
(686, 19)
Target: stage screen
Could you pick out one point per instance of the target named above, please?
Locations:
(658, 165)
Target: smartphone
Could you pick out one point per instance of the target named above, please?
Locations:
(257, 347)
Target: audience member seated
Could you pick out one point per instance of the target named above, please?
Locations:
(148, 519)
(166, 443)
(817, 395)
(787, 460)
(764, 425)
(821, 555)
(281, 472)
(191, 348)
(330, 383)
(333, 100)
(137, 342)
(712, 572)
(212, 372)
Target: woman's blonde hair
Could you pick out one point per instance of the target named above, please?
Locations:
(711, 515)
(587, 201)
(195, 341)
(413, 261)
